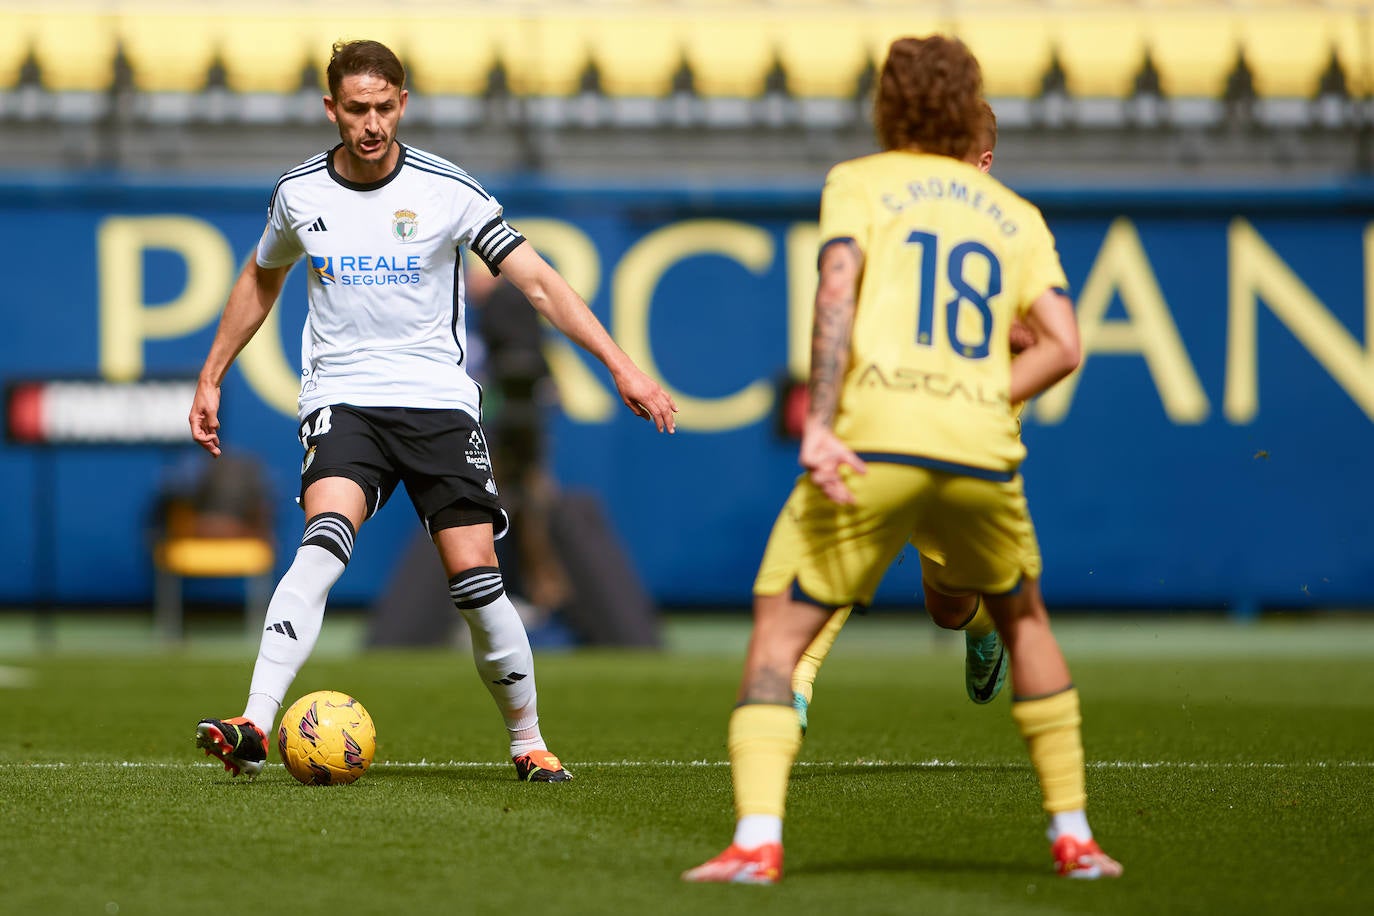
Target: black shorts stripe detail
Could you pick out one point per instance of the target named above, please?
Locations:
(476, 587)
(333, 532)
(935, 464)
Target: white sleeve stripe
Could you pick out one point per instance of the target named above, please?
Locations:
(493, 239)
(496, 239)
(493, 257)
(500, 255)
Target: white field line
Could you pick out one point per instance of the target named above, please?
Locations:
(811, 764)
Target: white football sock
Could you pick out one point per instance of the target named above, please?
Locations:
(1074, 823)
(756, 829)
(296, 613)
(501, 650)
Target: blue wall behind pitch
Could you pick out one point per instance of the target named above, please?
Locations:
(1134, 507)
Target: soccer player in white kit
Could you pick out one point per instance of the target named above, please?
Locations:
(385, 395)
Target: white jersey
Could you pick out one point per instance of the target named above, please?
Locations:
(385, 326)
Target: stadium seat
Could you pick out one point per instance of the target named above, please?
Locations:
(822, 56)
(179, 558)
(1193, 50)
(1013, 47)
(267, 53)
(75, 51)
(431, 58)
(636, 55)
(1353, 35)
(15, 41)
(730, 54)
(545, 55)
(1101, 51)
(168, 52)
(215, 526)
(1287, 50)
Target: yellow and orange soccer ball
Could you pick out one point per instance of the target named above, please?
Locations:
(326, 738)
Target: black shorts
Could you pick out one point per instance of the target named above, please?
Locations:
(440, 455)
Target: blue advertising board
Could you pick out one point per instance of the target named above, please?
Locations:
(1211, 452)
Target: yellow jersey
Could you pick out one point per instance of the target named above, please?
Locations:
(951, 255)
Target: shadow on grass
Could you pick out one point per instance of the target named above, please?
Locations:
(985, 867)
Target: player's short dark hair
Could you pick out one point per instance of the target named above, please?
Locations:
(363, 57)
(930, 96)
(988, 133)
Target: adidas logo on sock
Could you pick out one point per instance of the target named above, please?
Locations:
(511, 678)
(285, 629)
(317, 226)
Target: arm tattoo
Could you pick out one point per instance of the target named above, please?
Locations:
(834, 322)
(769, 685)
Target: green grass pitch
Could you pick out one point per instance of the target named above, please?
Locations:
(1230, 770)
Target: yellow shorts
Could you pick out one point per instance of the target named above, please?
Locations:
(974, 535)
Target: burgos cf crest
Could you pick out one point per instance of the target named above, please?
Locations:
(404, 226)
(323, 269)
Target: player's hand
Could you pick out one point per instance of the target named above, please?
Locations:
(205, 417)
(823, 455)
(646, 398)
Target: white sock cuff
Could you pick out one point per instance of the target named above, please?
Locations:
(1074, 823)
(756, 829)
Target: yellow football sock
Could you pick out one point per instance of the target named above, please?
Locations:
(1051, 727)
(980, 624)
(763, 739)
(804, 677)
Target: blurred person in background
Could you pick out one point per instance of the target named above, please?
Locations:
(911, 434)
(985, 667)
(519, 387)
(385, 394)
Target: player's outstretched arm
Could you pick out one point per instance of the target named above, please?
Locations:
(823, 453)
(1055, 350)
(553, 298)
(254, 293)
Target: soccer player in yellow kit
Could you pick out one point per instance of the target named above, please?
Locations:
(985, 666)
(911, 433)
